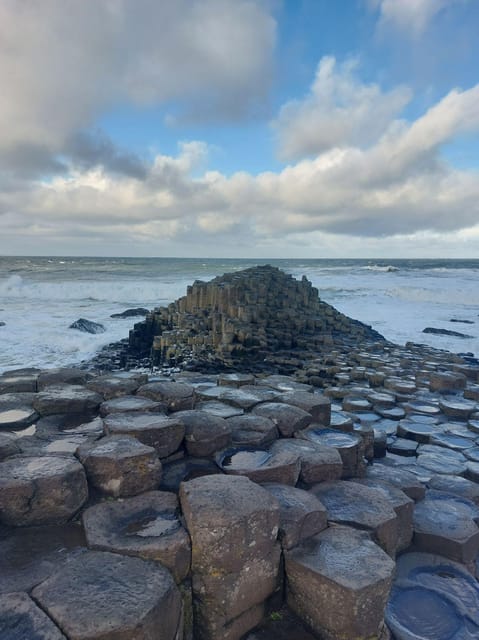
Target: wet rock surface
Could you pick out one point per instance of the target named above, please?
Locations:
(382, 436)
(102, 594)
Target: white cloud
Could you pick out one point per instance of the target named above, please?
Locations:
(398, 190)
(63, 64)
(339, 110)
(410, 16)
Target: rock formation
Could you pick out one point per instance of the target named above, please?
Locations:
(339, 503)
(243, 316)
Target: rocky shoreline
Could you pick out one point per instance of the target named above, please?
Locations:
(332, 494)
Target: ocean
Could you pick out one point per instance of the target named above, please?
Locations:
(41, 296)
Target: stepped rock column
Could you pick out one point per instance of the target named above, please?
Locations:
(233, 524)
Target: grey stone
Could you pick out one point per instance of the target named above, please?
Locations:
(21, 619)
(205, 434)
(87, 326)
(155, 430)
(317, 405)
(252, 430)
(146, 526)
(456, 486)
(62, 375)
(287, 418)
(111, 386)
(106, 595)
(280, 464)
(302, 515)
(66, 398)
(363, 507)
(129, 403)
(400, 478)
(8, 446)
(41, 490)
(178, 396)
(402, 505)
(121, 466)
(443, 524)
(319, 463)
(349, 446)
(339, 583)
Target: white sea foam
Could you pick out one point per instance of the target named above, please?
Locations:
(39, 299)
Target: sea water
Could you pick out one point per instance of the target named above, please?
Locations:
(41, 297)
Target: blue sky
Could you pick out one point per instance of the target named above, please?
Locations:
(242, 128)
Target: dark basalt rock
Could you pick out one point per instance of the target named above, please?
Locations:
(445, 332)
(243, 316)
(87, 326)
(131, 313)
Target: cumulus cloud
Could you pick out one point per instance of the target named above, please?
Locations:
(398, 186)
(338, 110)
(62, 64)
(410, 16)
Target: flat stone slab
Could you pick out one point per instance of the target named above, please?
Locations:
(350, 447)
(446, 381)
(456, 408)
(32, 554)
(283, 383)
(154, 430)
(302, 515)
(146, 526)
(220, 409)
(287, 418)
(444, 524)
(252, 430)
(111, 386)
(416, 431)
(8, 446)
(402, 505)
(451, 441)
(281, 465)
(66, 398)
(456, 486)
(433, 597)
(17, 418)
(106, 595)
(319, 463)
(41, 490)
(235, 379)
(235, 397)
(62, 375)
(21, 619)
(400, 478)
(121, 466)
(317, 405)
(178, 396)
(403, 447)
(205, 434)
(363, 507)
(128, 403)
(334, 600)
(11, 383)
(178, 471)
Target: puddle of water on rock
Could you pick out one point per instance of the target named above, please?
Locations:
(153, 525)
(333, 438)
(11, 416)
(245, 459)
(423, 613)
(29, 431)
(63, 446)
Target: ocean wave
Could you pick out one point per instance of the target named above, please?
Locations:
(388, 268)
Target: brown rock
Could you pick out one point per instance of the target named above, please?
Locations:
(121, 466)
(233, 524)
(41, 490)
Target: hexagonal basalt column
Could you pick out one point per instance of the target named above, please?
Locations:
(146, 526)
(233, 524)
(105, 595)
(21, 619)
(121, 466)
(41, 490)
(154, 430)
(339, 583)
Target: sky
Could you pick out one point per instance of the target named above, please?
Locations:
(240, 128)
